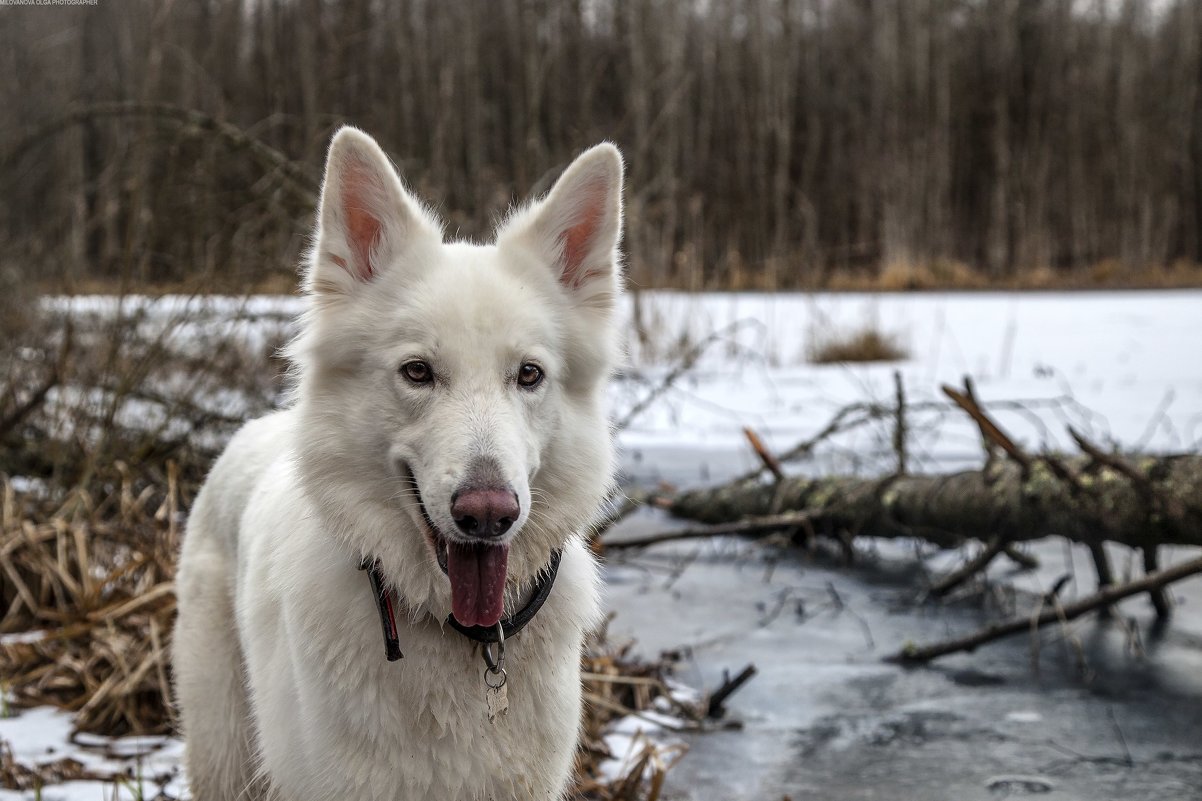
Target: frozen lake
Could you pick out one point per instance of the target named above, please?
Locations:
(825, 719)
(1123, 367)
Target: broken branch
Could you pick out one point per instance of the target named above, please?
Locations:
(918, 654)
(771, 463)
(715, 708)
(754, 525)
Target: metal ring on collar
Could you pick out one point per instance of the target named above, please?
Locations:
(500, 682)
(496, 664)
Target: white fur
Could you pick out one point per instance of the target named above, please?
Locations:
(282, 684)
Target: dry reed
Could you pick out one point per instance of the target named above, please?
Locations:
(863, 345)
(88, 581)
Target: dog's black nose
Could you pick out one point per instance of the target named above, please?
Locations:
(485, 512)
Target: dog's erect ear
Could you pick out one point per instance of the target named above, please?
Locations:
(366, 218)
(578, 225)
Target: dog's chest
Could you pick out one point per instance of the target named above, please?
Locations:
(420, 727)
(336, 720)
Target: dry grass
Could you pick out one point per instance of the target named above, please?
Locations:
(863, 345)
(797, 273)
(898, 276)
(93, 574)
(83, 393)
(737, 275)
(615, 685)
(953, 275)
(265, 282)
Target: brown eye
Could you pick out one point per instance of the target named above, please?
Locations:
(417, 371)
(530, 375)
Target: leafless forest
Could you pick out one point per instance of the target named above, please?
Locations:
(771, 143)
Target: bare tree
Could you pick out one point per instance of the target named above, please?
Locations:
(771, 142)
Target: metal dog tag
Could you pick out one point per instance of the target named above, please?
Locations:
(497, 696)
(495, 677)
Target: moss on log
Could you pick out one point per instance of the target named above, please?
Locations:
(1138, 501)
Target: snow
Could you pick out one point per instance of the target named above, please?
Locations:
(629, 737)
(19, 637)
(145, 765)
(28, 486)
(1122, 367)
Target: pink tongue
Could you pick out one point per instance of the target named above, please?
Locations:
(477, 574)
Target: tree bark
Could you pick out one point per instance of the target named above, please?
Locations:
(1151, 501)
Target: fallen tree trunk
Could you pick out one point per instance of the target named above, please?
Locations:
(1139, 501)
(1149, 502)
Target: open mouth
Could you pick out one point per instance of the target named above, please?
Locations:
(476, 570)
(437, 542)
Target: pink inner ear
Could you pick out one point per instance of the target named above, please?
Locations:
(578, 239)
(363, 227)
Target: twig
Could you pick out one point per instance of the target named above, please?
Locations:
(766, 456)
(969, 569)
(1101, 565)
(180, 118)
(917, 654)
(989, 429)
(838, 423)
(855, 415)
(993, 433)
(1122, 738)
(14, 418)
(1155, 503)
(752, 525)
(1059, 584)
(613, 706)
(1024, 560)
(1114, 462)
(840, 607)
(686, 363)
(899, 427)
(782, 598)
(1156, 419)
(841, 421)
(1160, 599)
(1100, 759)
(715, 708)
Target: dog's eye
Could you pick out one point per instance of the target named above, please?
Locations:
(530, 375)
(417, 371)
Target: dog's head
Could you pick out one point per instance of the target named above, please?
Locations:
(450, 394)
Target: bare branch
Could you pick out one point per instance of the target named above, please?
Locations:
(917, 654)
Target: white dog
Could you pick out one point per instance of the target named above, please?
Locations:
(448, 433)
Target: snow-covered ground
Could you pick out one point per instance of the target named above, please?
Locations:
(145, 766)
(1122, 367)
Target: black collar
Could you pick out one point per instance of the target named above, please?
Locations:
(485, 634)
